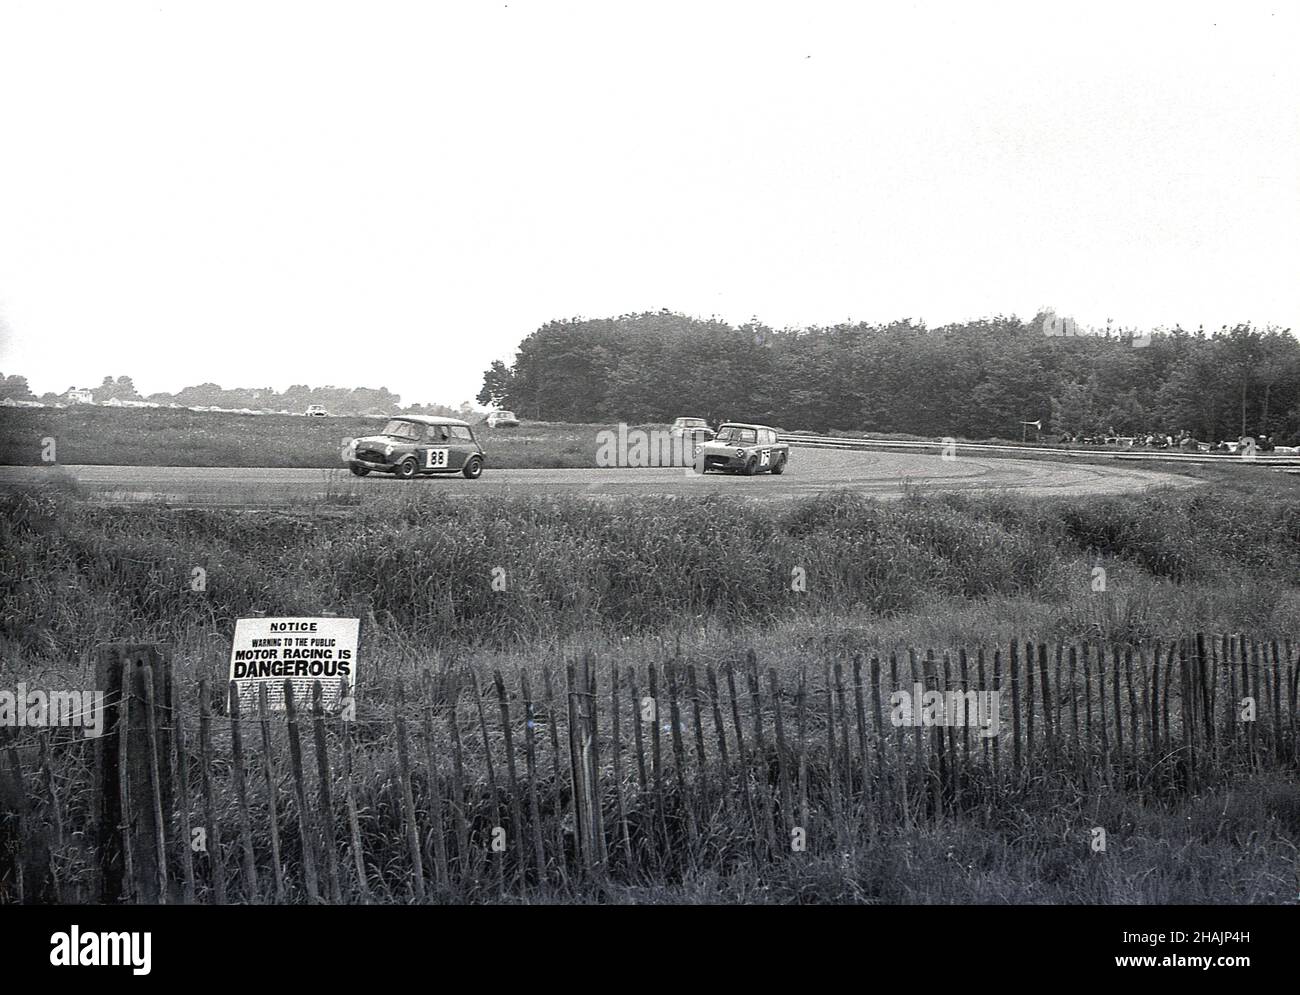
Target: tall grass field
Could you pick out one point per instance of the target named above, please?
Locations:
(724, 587)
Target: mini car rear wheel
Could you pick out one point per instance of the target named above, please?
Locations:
(473, 467)
(406, 468)
(778, 467)
(360, 471)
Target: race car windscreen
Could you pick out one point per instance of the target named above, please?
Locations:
(402, 429)
(733, 433)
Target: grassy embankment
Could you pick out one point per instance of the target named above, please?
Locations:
(646, 580)
(177, 437)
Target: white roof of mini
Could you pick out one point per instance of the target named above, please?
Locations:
(742, 424)
(429, 419)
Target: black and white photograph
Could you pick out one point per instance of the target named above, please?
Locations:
(554, 453)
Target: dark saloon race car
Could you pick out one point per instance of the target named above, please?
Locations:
(411, 445)
(747, 449)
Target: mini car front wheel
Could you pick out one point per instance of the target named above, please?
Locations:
(406, 468)
(473, 468)
(751, 467)
(360, 471)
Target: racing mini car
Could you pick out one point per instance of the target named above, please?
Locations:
(411, 445)
(747, 449)
(697, 428)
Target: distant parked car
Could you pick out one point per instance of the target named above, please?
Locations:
(316, 411)
(502, 419)
(695, 427)
(411, 445)
(739, 448)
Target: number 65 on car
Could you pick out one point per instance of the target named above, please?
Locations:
(747, 449)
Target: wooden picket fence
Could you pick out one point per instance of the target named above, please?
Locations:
(468, 789)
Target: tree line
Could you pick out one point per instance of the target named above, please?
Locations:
(337, 400)
(974, 380)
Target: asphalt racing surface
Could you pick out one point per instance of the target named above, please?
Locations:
(883, 474)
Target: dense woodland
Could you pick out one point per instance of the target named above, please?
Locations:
(978, 379)
(975, 380)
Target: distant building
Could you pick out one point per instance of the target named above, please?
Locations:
(79, 395)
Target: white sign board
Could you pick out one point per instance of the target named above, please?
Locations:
(267, 651)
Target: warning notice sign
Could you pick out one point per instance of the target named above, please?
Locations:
(267, 651)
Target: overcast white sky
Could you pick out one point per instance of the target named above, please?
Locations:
(383, 194)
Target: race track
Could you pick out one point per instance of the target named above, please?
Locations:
(883, 474)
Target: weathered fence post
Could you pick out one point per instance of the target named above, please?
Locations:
(954, 766)
(715, 699)
(268, 774)
(1074, 709)
(1013, 664)
(845, 747)
(801, 712)
(216, 858)
(936, 767)
(178, 758)
(578, 772)
(249, 867)
(860, 713)
(782, 754)
(121, 669)
(407, 800)
(1101, 713)
(618, 770)
(1029, 704)
(305, 832)
(882, 775)
(758, 752)
(500, 860)
(354, 823)
(530, 754)
(329, 838)
(159, 833)
(516, 806)
(1119, 713)
(1049, 709)
(701, 760)
(441, 866)
(742, 760)
(593, 760)
(965, 726)
(905, 810)
(463, 857)
(679, 754)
